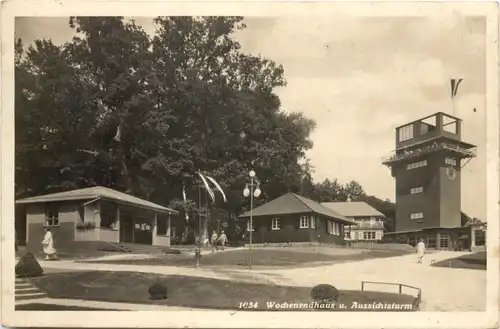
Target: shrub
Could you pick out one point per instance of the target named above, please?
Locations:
(86, 226)
(172, 251)
(28, 267)
(324, 293)
(158, 291)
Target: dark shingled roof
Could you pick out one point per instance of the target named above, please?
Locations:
(94, 193)
(292, 203)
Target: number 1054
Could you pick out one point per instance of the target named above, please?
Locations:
(248, 305)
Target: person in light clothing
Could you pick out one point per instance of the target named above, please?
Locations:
(48, 245)
(214, 241)
(420, 250)
(223, 239)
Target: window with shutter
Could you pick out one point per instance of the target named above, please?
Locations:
(304, 222)
(330, 226)
(336, 230)
(275, 224)
(250, 227)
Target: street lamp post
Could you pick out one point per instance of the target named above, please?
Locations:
(254, 182)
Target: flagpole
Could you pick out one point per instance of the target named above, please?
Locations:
(206, 211)
(199, 215)
(453, 105)
(198, 251)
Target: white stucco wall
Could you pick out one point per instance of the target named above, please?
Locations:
(92, 213)
(35, 213)
(161, 240)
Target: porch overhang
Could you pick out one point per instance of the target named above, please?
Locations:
(135, 205)
(441, 228)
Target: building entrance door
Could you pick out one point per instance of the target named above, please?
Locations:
(126, 229)
(143, 231)
(463, 242)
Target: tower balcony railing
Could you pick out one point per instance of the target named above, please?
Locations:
(434, 147)
(369, 225)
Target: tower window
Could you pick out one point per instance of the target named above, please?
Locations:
(415, 165)
(480, 237)
(431, 242)
(418, 216)
(450, 161)
(416, 190)
(406, 133)
(443, 241)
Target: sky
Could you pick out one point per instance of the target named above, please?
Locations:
(359, 78)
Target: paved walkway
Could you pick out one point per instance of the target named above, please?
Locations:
(438, 284)
(443, 289)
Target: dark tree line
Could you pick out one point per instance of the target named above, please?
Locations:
(142, 113)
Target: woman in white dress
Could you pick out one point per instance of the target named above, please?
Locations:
(420, 250)
(48, 245)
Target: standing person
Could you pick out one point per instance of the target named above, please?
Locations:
(214, 241)
(48, 245)
(420, 250)
(223, 239)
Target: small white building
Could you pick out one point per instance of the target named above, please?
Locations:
(370, 221)
(96, 214)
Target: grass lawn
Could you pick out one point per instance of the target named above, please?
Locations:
(53, 307)
(476, 261)
(186, 291)
(261, 257)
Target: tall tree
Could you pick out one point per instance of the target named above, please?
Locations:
(353, 190)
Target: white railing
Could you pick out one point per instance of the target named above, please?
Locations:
(428, 149)
(368, 225)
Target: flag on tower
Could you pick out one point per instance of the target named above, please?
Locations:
(218, 187)
(454, 86)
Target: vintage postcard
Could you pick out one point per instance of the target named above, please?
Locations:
(250, 164)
